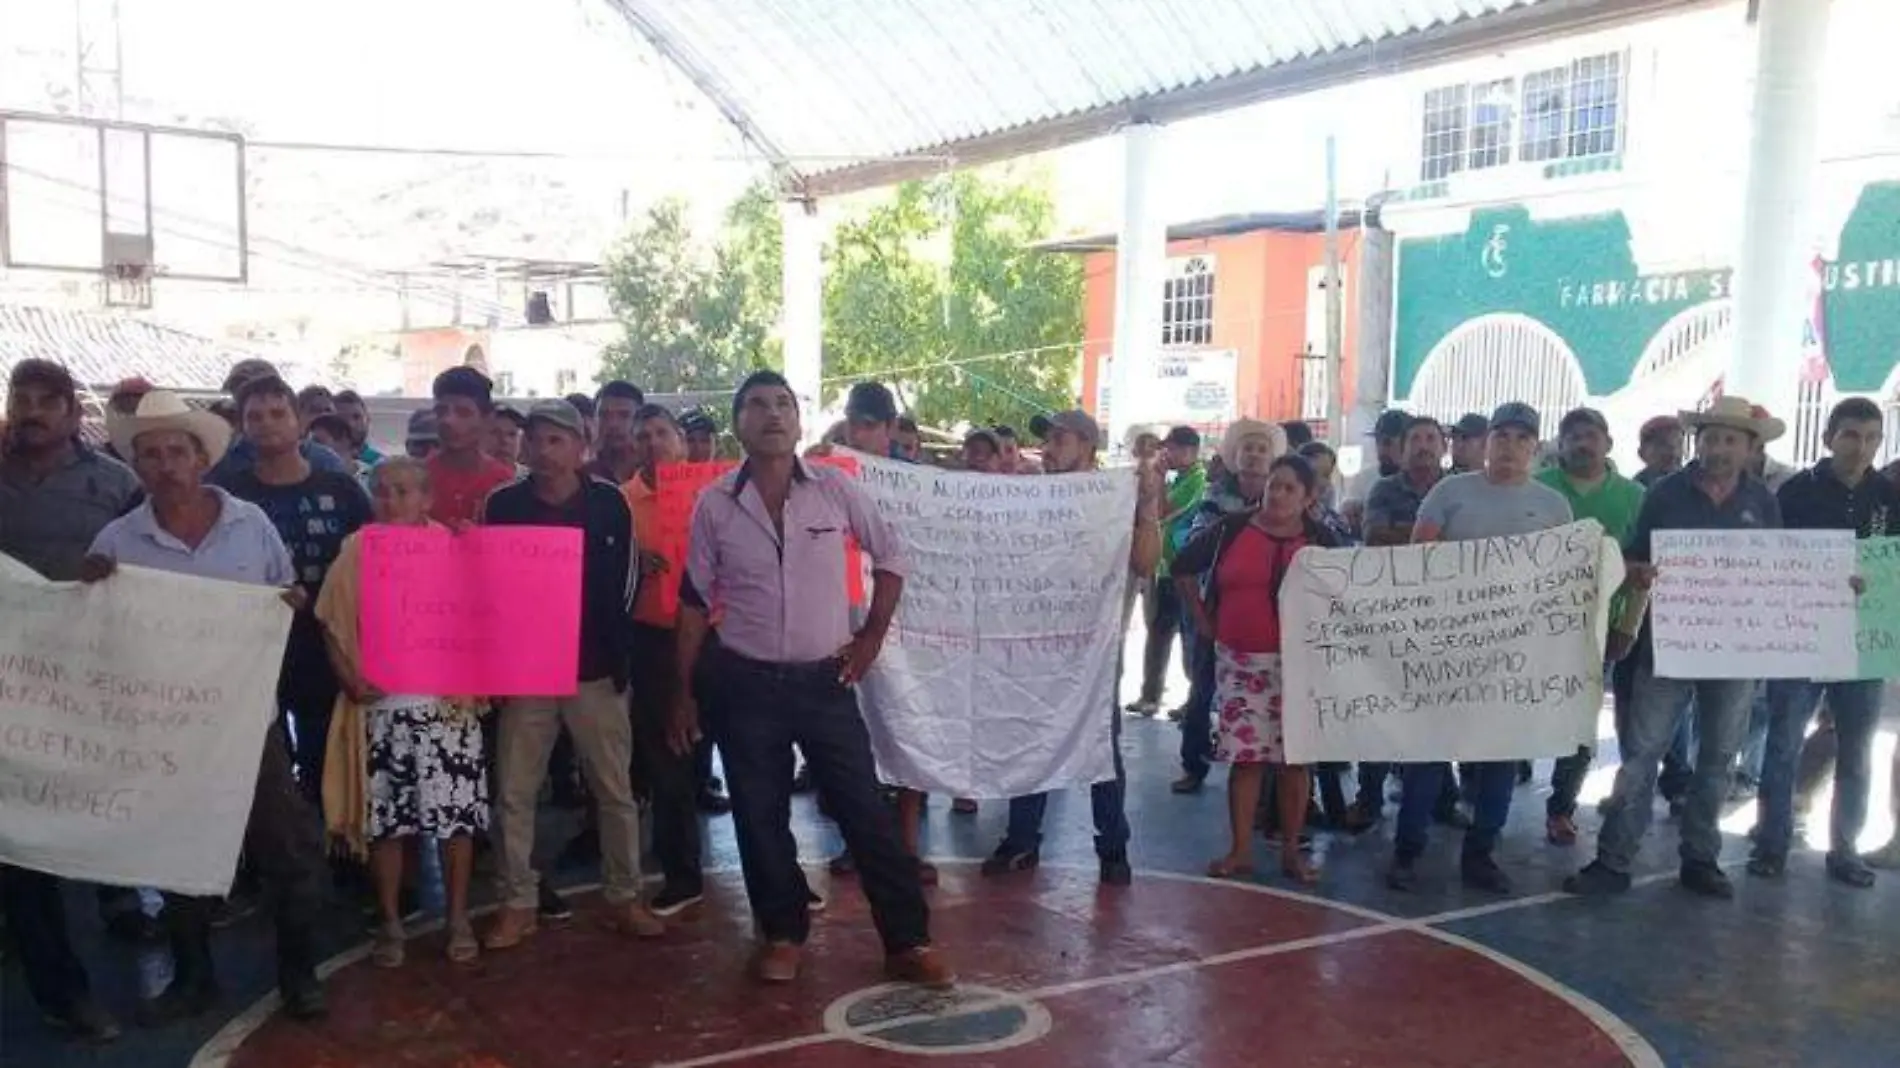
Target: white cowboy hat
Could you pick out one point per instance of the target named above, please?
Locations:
(164, 410)
(1243, 428)
(1736, 413)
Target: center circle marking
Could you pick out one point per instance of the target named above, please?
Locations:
(900, 1018)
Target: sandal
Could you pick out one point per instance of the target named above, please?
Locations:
(1297, 869)
(463, 945)
(386, 947)
(1229, 868)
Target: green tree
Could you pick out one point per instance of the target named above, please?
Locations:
(694, 319)
(939, 292)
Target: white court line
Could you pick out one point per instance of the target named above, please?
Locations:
(217, 1051)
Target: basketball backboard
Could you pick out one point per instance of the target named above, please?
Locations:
(124, 202)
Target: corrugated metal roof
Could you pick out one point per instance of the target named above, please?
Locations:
(830, 85)
(102, 350)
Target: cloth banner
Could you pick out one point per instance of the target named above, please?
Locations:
(1754, 604)
(492, 611)
(1469, 650)
(677, 487)
(1877, 630)
(132, 716)
(998, 676)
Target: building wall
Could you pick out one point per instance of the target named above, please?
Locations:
(1261, 283)
(1607, 281)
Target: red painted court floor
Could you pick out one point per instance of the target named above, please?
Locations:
(1172, 971)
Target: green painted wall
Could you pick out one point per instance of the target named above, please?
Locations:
(1577, 277)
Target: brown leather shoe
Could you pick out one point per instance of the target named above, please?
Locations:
(921, 966)
(777, 962)
(511, 927)
(633, 918)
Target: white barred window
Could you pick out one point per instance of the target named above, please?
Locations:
(1574, 111)
(1187, 302)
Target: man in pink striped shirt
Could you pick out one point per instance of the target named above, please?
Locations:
(767, 546)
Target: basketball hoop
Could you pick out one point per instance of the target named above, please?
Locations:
(126, 285)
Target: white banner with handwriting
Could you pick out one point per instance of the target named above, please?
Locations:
(1471, 650)
(132, 715)
(998, 676)
(1754, 604)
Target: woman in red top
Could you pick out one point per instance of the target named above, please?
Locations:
(1246, 558)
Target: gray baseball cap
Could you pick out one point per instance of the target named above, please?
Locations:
(1075, 420)
(1516, 413)
(559, 413)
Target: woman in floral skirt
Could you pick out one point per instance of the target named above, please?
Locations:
(414, 769)
(1249, 555)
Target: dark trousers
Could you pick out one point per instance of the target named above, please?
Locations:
(1371, 793)
(757, 712)
(284, 840)
(308, 700)
(1163, 620)
(36, 917)
(1197, 717)
(1490, 783)
(1566, 782)
(669, 779)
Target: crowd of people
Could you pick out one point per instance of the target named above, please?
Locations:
(751, 644)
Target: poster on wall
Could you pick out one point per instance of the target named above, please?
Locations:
(1192, 387)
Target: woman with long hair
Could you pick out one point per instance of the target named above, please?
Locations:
(1248, 555)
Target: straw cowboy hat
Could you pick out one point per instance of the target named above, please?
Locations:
(1736, 413)
(1240, 430)
(162, 409)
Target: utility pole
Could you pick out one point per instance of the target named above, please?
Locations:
(1335, 303)
(99, 59)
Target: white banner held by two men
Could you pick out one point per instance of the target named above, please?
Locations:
(1754, 604)
(1471, 650)
(998, 677)
(132, 714)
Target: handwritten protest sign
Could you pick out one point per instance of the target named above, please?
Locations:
(1877, 629)
(1471, 650)
(998, 676)
(1753, 604)
(493, 611)
(132, 715)
(677, 489)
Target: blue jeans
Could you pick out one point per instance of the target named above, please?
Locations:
(1489, 784)
(1108, 799)
(1657, 708)
(1755, 742)
(1856, 709)
(1197, 717)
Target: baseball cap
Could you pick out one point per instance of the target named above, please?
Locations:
(559, 413)
(1516, 413)
(332, 424)
(1582, 417)
(422, 426)
(1075, 421)
(1471, 425)
(698, 419)
(1185, 436)
(870, 402)
(1391, 424)
(512, 414)
(1657, 427)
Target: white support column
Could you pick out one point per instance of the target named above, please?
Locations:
(1771, 274)
(1141, 258)
(802, 328)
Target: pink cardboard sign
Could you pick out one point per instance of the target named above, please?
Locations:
(491, 612)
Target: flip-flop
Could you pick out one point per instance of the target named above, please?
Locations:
(1300, 872)
(1228, 868)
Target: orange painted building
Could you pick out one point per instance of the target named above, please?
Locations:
(1268, 307)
